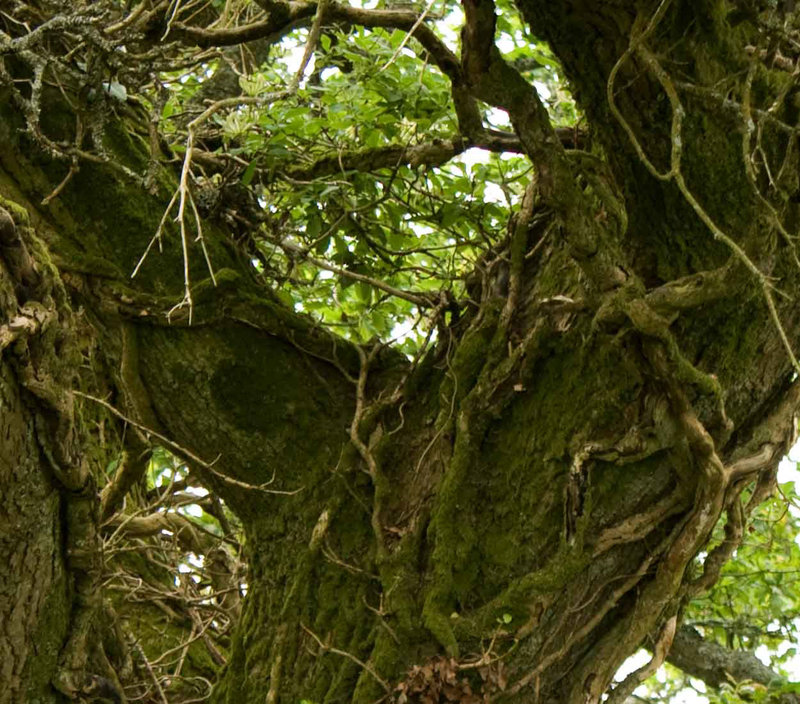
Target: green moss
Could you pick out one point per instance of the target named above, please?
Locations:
(206, 290)
(500, 548)
(256, 398)
(469, 358)
(511, 484)
(17, 212)
(437, 619)
(522, 593)
(49, 637)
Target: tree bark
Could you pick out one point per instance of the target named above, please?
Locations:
(511, 518)
(716, 665)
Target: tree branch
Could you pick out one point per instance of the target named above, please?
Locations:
(288, 16)
(716, 665)
(433, 153)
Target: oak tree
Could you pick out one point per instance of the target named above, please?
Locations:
(402, 353)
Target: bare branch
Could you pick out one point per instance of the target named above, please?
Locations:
(173, 446)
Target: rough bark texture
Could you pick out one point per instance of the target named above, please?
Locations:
(714, 664)
(47, 528)
(520, 512)
(34, 602)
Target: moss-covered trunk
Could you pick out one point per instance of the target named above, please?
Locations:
(513, 517)
(47, 539)
(34, 603)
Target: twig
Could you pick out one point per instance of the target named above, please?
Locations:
(73, 169)
(408, 36)
(152, 674)
(311, 44)
(625, 688)
(185, 452)
(419, 300)
(349, 656)
(183, 195)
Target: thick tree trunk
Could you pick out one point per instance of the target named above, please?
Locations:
(513, 517)
(34, 599)
(47, 539)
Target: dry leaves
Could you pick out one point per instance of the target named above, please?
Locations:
(441, 680)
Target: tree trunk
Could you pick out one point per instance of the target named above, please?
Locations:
(514, 516)
(34, 598)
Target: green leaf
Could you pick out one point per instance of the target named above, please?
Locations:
(249, 172)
